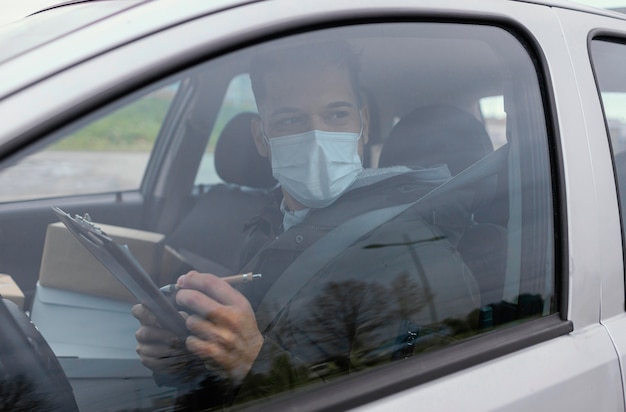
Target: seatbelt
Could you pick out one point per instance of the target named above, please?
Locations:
(332, 244)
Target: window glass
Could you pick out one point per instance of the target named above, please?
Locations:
(356, 267)
(615, 108)
(109, 154)
(238, 99)
(607, 58)
(492, 111)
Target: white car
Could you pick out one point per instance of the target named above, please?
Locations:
(474, 261)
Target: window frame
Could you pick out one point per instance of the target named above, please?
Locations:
(357, 390)
(608, 36)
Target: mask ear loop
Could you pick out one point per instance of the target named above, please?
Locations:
(361, 123)
(267, 139)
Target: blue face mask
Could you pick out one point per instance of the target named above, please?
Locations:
(316, 167)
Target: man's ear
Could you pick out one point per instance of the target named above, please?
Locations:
(257, 135)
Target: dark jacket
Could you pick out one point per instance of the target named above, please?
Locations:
(397, 290)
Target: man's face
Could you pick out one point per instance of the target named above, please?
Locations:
(302, 100)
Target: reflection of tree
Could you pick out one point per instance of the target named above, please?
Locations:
(352, 325)
(344, 315)
(283, 375)
(408, 296)
(357, 323)
(19, 394)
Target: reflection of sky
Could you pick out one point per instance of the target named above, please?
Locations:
(615, 105)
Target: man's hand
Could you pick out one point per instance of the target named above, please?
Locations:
(159, 349)
(224, 332)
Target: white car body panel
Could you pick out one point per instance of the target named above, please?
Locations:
(541, 377)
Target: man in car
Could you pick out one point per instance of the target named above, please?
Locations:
(327, 304)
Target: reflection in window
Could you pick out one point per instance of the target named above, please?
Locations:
(360, 266)
(615, 110)
(238, 99)
(450, 265)
(492, 110)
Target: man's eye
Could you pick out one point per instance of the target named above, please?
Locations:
(338, 116)
(288, 121)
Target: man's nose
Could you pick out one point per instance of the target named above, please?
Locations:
(317, 123)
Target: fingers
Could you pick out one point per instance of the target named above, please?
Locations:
(143, 315)
(146, 317)
(219, 333)
(224, 331)
(198, 303)
(163, 354)
(222, 349)
(168, 359)
(158, 348)
(154, 334)
(211, 286)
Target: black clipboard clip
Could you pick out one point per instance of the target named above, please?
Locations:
(124, 266)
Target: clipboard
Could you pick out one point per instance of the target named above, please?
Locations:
(124, 266)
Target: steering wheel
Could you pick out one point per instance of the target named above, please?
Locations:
(31, 377)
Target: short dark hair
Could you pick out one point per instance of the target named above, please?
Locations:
(338, 53)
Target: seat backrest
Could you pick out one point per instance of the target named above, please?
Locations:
(445, 134)
(237, 160)
(436, 134)
(211, 235)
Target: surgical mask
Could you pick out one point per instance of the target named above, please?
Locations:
(316, 167)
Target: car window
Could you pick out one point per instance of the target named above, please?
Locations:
(107, 154)
(238, 99)
(449, 238)
(607, 55)
(494, 115)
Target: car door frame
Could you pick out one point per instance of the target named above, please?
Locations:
(473, 370)
(613, 248)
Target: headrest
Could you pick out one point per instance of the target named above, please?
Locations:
(436, 134)
(236, 157)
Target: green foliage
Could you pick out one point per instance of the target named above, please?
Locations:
(131, 128)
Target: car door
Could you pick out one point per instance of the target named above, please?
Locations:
(533, 336)
(606, 51)
(594, 280)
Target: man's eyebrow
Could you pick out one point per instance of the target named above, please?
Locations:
(340, 103)
(292, 110)
(284, 110)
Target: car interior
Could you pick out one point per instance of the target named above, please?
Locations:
(431, 98)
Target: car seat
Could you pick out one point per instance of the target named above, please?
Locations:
(211, 234)
(445, 134)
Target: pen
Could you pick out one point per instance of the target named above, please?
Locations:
(231, 280)
(242, 278)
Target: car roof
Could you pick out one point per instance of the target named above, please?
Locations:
(574, 5)
(44, 27)
(69, 32)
